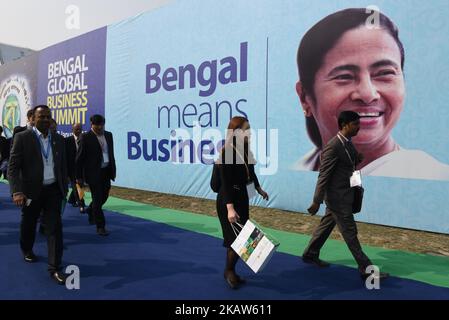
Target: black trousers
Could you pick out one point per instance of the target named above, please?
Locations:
(50, 203)
(348, 229)
(100, 194)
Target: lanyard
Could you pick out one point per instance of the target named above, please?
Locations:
(45, 152)
(349, 156)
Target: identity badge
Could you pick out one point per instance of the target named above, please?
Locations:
(356, 179)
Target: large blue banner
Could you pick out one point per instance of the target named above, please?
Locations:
(171, 89)
(168, 91)
(71, 79)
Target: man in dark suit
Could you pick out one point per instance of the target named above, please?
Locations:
(338, 162)
(72, 145)
(37, 175)
(29, 125)
(95, 165)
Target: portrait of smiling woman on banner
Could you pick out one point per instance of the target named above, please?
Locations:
(346, 64)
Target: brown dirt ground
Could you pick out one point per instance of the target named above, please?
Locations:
(369, 234)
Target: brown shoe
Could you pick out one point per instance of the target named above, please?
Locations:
(240, 280)
(315, 261)
(232, 280)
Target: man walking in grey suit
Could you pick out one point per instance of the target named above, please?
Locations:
(37, 174)
(338, 161)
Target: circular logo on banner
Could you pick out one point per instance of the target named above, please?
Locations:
(14, 103)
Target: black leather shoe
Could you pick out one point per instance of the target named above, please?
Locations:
(30, 257)
(59, 277)
(316, 261)
(102, 232)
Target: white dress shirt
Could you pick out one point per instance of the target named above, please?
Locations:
(49, 168)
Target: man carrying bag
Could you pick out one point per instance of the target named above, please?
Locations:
(337, 184)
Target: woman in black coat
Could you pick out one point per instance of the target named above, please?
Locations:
(236, 171)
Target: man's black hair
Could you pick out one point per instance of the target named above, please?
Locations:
(30, 113)
(97, 119)
(346, 117)
(43, 106)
